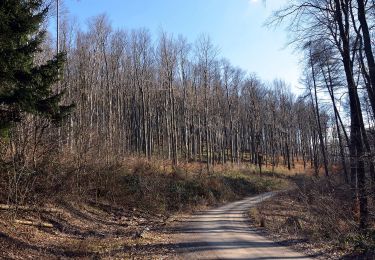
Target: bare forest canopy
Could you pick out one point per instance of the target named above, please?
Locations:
(171, 99)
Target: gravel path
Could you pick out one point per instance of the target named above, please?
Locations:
(224, 233)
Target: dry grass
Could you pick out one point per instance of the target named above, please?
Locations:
(316, 217)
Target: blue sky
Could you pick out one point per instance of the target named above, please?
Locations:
(235, 26)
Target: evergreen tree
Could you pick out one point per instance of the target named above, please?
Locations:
(26, 88)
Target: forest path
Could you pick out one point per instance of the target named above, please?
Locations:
(224, 233)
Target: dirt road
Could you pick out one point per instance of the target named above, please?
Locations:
(224, 233)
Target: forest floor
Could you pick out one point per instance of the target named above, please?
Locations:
(84, 231)
(149, 200)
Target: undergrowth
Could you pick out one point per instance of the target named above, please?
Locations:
(319, 212)
(151, 185)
